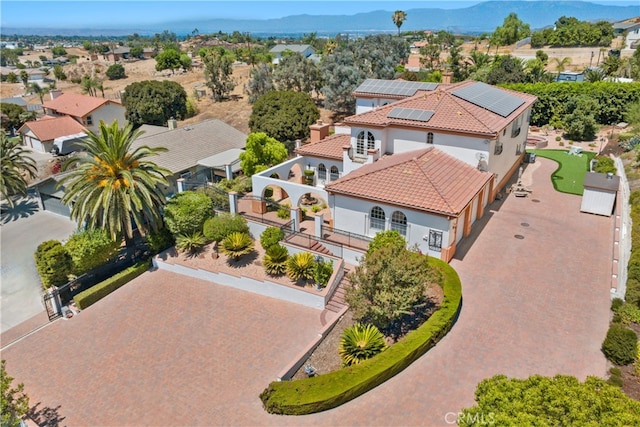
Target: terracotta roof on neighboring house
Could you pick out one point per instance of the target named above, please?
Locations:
(188, 144)
(75, 105)
(425, 179)
(328, 148)
(450, 112)
(49, 128)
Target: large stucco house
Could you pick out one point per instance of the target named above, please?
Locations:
(421, 158)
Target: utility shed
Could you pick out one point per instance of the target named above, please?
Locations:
(600, 191)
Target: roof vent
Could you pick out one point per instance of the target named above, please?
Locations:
(609, 175)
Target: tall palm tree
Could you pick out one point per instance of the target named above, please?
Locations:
(113, 186)
(398, 18)
(17, 167)
(561, 64)
(35, 88)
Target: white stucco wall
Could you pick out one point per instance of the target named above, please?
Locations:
(502, 163)
(367, 104)
(107, 113)
(353, 215)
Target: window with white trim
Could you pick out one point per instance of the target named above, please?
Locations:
(377, 219)
(322, 172)
(334, 173)
(399, 222)
(435, 240)
(365, 139)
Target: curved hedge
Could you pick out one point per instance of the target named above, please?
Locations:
(315, 394)
(95, 293)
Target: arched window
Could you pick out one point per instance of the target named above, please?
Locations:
(365, 139)
(335, 174)
(430, 138)
(399, 222)
(322, 172)
(377, 219)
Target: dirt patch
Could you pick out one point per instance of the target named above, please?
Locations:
(326, 359)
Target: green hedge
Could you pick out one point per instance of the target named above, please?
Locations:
(632, 295)
(94, 294)
(315, 394)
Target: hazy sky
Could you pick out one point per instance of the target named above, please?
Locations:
(116, 13)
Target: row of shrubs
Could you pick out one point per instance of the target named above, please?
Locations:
(330, 390)
(85, 250)
(90, 296)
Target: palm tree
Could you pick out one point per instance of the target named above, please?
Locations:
(398, 18)
(561, 64)
(17, 167)
(112, 185)
(35, 88)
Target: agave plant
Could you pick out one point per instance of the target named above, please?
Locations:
(237, 244)
(275, 260)
(360, 342)
(301, 266)
(190, 243)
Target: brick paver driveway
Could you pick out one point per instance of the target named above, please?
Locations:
(166, 350)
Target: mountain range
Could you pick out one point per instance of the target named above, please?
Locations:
(482, 17)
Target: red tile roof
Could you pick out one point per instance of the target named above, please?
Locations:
(75, 105)
(425, 180)
(328, 148)
(49, 128)
(450, 112)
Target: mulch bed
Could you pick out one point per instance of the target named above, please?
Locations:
(326, 359)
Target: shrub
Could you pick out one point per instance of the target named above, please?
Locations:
(604, 164)
(235, 245)
(90, 248)
(185, 213)
(219, 199)
(360, 342)
(333, 389)
(629, 313)
(637, 362)
(323, 272)
(389, 238)
(222, 225)
(53, 262)
(271, 236)
(275, 260)
(616, 303)
(301, 266)
(159, 240)
(241, 184)
(115, 72)
(561, 143)
(316, 208)
(284, 213)
(615, 377)
(94, 294)
(620, 344)
(558, 138)
(190, 243)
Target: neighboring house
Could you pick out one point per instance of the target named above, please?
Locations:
(42, 135)
(197, 153)
(117, 54)
(31, 108)
(86, 110)
(424, 160)
(303, 49)
(630, 27)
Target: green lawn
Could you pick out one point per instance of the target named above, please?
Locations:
(569, 177)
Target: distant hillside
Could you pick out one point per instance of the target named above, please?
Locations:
(483, 17)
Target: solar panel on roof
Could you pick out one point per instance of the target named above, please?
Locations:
(410, 114)
(393, 87)
(490, 98)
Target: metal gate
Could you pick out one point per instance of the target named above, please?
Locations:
(52, 304)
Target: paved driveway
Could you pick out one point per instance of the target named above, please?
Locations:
(167, 350)
(23, 229)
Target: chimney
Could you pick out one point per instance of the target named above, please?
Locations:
(609, 175)
(54, 93)
(447, 77)
(172, 123)
(319, 131)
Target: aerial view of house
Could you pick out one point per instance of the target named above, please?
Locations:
(320, 213)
